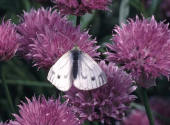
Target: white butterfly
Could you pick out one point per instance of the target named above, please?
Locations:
(78, 68)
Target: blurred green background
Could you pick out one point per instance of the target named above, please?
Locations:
(26, 81)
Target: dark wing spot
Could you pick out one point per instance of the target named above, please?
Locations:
(58, 76)
(93, 78)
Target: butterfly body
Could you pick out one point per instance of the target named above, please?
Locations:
(77, 68)
(75, 55)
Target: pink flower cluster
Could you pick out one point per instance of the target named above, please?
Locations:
(46, 36)
(136, 117)
(80, 7)
(142, 47)
(107, 102)
(8, 40)
(44, 111)
(160, 110)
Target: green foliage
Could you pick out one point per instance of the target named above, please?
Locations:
(124, 11)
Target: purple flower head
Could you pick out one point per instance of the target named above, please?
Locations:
(6, 123)
(80, 7)
(107, 102)
(47, 36)
(1, 123)
(33, 23)
(49, 47)
(8, 40)
(44, 112)
(137, 117)
(142, 47)
(160, 106)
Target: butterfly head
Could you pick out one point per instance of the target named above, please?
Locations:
(76, 48)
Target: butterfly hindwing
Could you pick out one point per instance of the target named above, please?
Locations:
(60, 73)
(90, 75)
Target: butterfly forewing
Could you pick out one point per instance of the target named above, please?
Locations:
(78, 68)
(90, 75)
(60, 73)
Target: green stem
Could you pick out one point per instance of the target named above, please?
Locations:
(78, 17)
(78, 20)
(144, 97)
(6, 88)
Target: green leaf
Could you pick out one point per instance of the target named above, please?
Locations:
(139, 6)
(85, 20)
(123, 11)
(154, 6)
(11, 5)
(17, 70)
(90, 123)
(28, 83)
(26, 4)
(72, 18)
(137, 106)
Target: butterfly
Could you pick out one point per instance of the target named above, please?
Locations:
(77, 68)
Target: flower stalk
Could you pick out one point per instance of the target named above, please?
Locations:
(78, 17)
(7, 93)
(144, 98)
(78, 20)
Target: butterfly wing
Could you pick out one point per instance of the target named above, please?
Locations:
(60, 73)
(90, 75)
